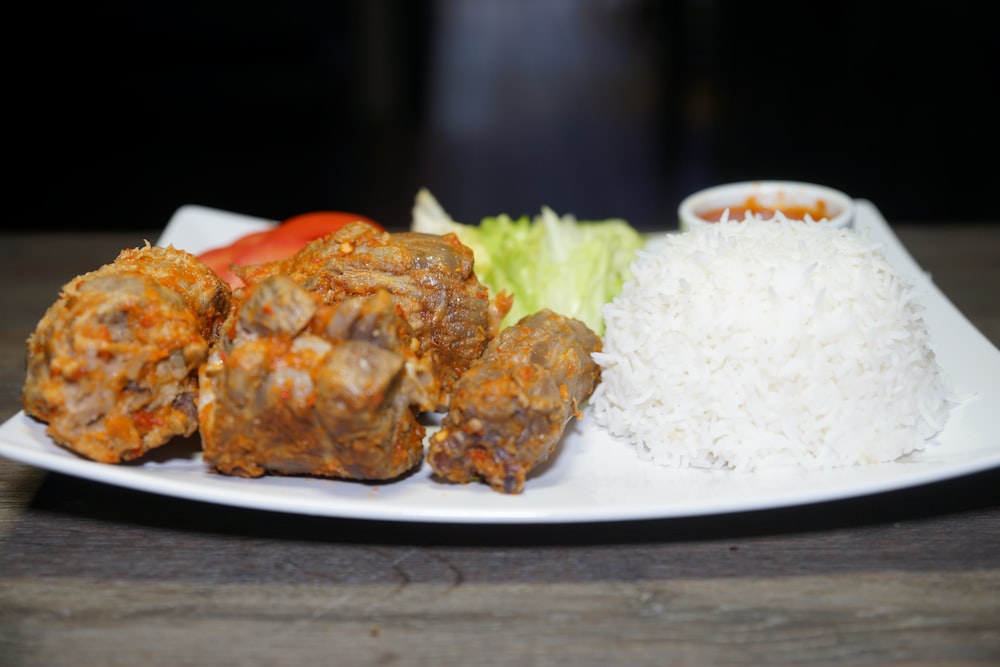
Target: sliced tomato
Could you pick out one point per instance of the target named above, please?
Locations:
(309, 226)
(273, 248)
(278, 242)
(221, 260)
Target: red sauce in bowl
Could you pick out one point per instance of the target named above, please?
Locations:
(817, 211)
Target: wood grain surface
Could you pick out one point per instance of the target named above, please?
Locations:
(92, 574)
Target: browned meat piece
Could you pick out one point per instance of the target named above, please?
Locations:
(430, 278)
(298, 387)
(112, 365)
(207, 295)
(510, 409)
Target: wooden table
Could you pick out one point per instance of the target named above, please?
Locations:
(92, 574)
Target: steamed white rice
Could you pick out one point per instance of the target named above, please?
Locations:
(748, 345)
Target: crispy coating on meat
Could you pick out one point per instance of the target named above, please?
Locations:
(511, 407)
(431, 281)
(299, 387)
(112, 365)
(207, 295)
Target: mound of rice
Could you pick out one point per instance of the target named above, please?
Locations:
(749, 345)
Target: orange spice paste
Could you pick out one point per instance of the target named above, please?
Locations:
(818, 211)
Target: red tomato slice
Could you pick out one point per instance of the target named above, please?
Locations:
(274, 248)
(309, 226)
(278, 242)
(222, 259)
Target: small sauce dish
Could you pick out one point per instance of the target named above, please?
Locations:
(796, 201)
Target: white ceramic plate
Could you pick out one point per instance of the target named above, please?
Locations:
(592, 477)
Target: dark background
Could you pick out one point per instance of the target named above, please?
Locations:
(119, 113)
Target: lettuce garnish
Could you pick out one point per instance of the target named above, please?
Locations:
(571, 266)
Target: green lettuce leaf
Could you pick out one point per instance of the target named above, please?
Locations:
(551, 261)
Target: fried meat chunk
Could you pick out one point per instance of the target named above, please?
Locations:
(511, 407)
(112, 365)
(431, 281)
(296, 386)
